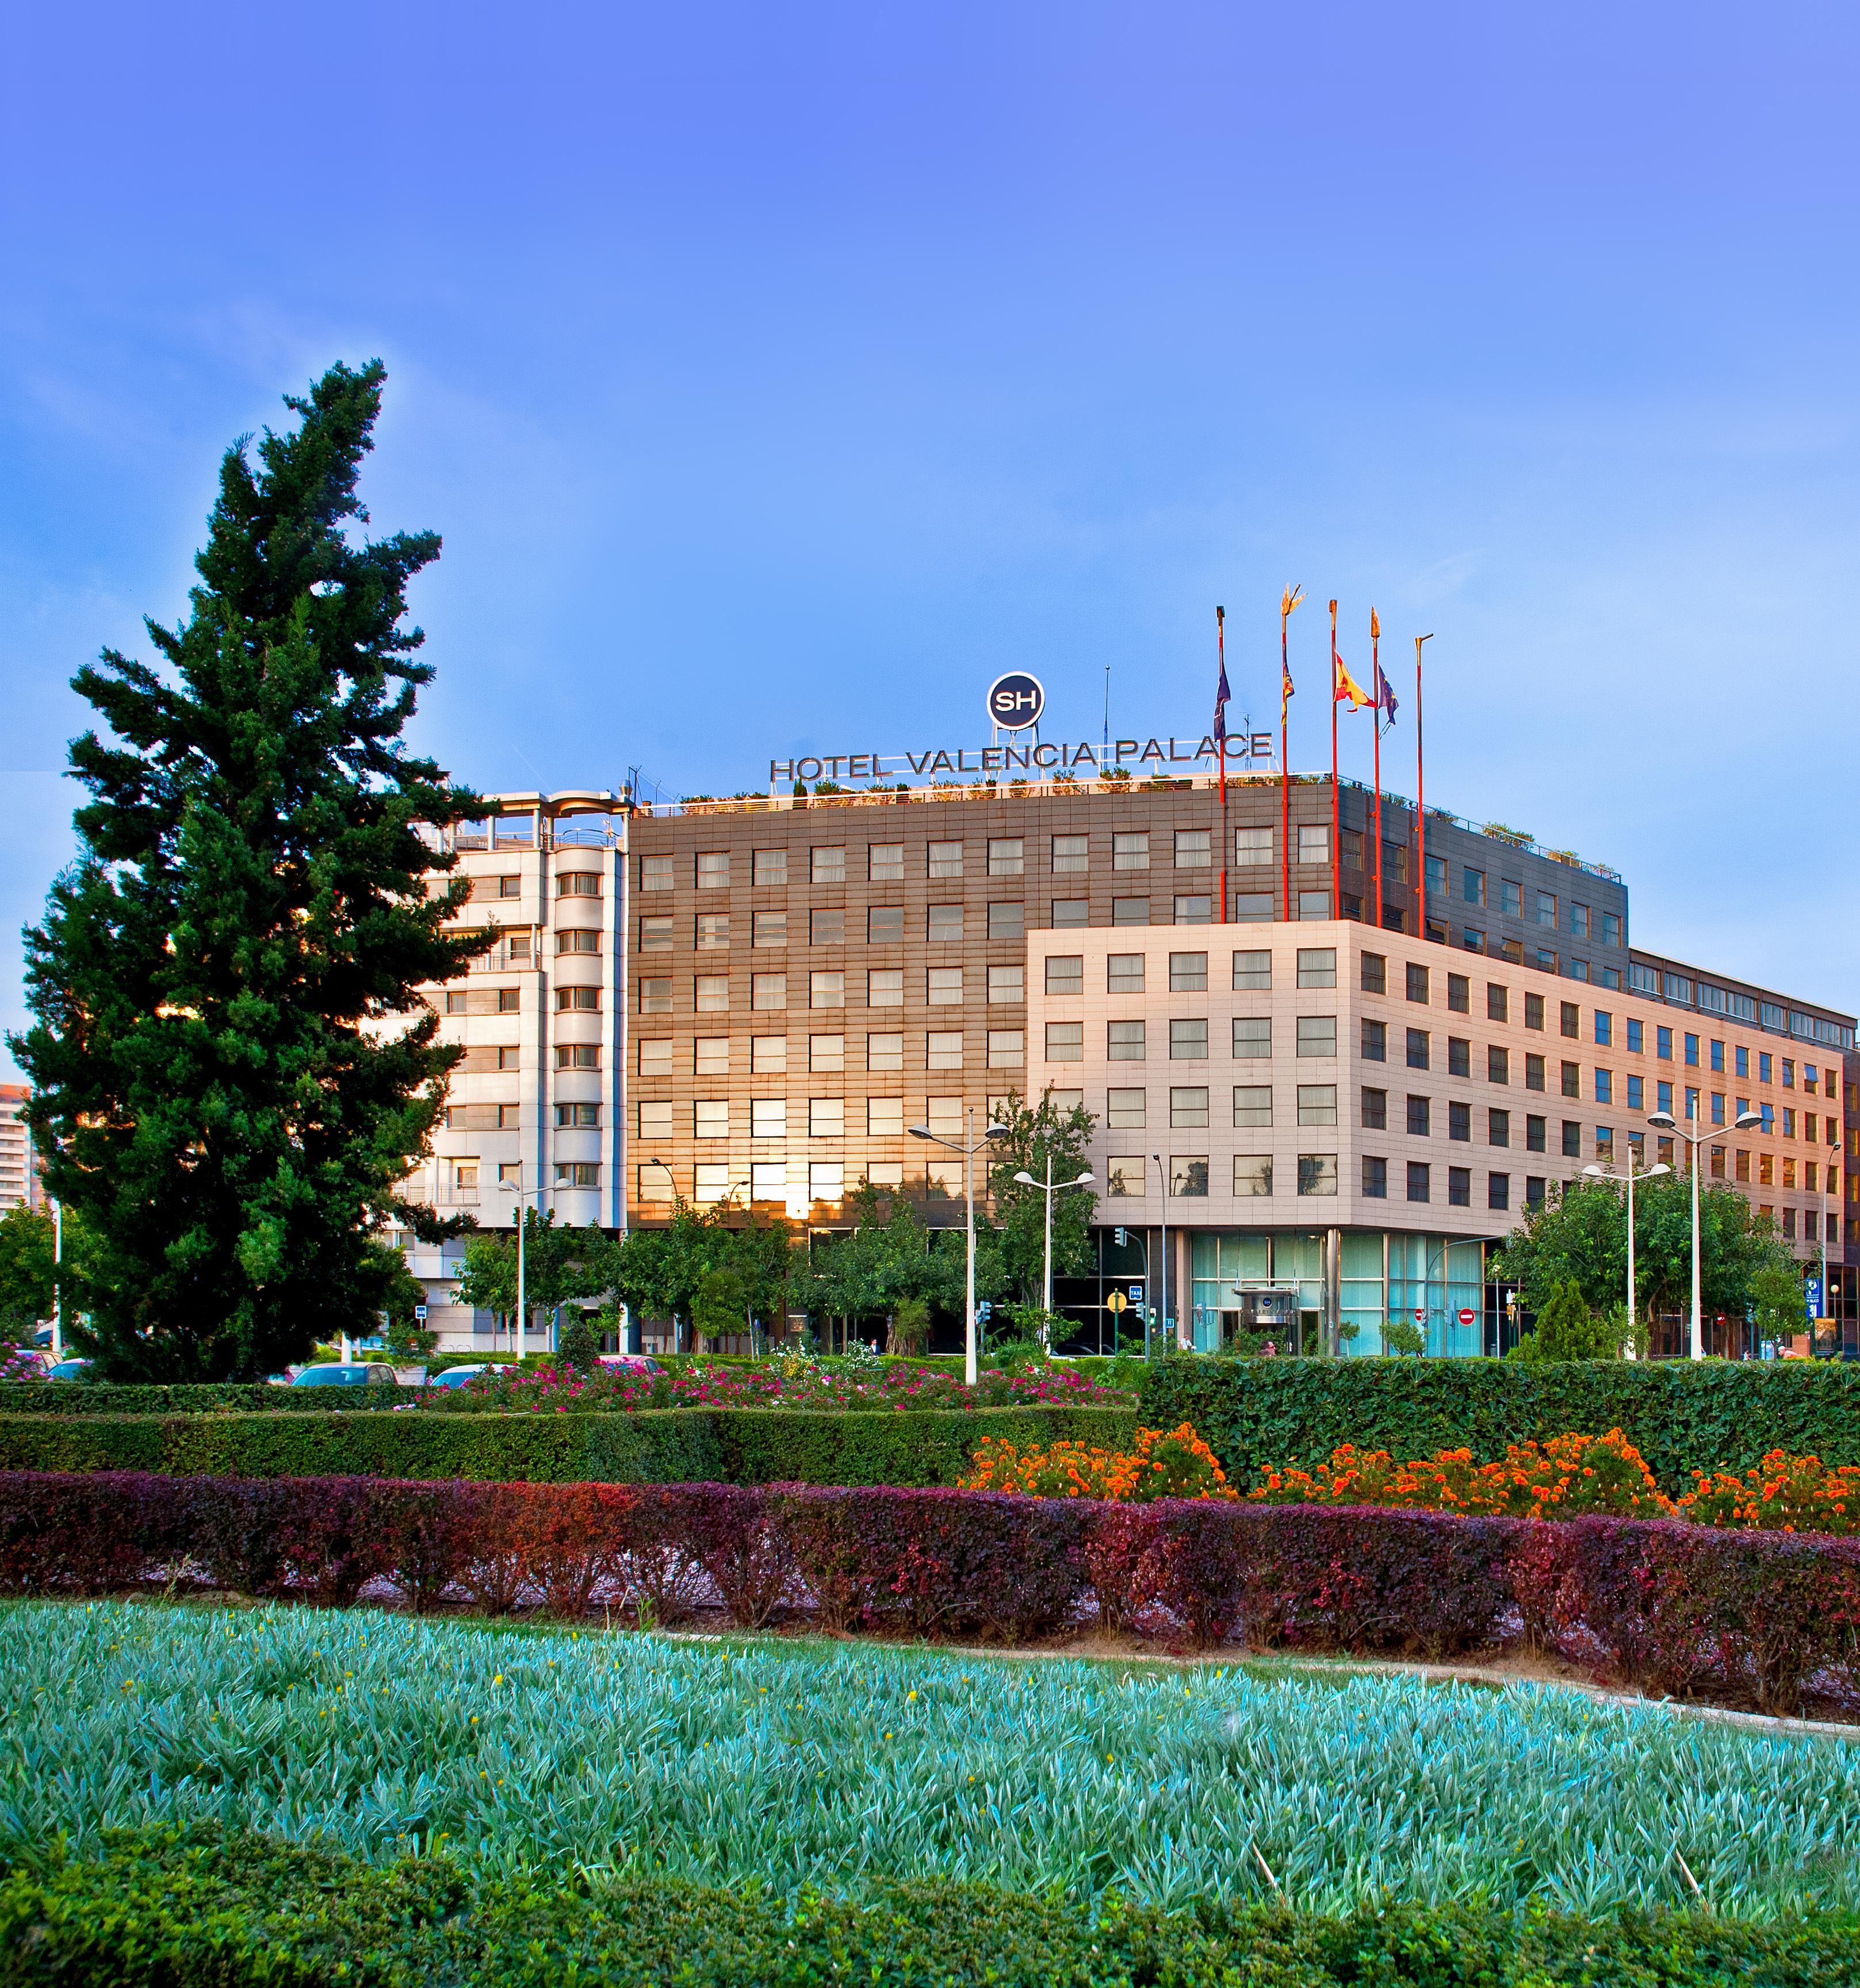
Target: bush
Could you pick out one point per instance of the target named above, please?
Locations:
(109, 1398)
(162, 1906)
(1785, 1493)
(1566, 1329)
(1173, 1464)
(1682, 1416)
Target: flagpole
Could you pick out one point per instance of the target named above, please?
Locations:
(1420, 791)
(1336, 803)
(1221, 643)
(1287, 601)
(1375, 631)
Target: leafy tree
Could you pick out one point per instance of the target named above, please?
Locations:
(721, 1304)
(1402, 1335)
(578, 1348)
(32, 1266)
(560, 1265)
(1780, 1301)
(661, 1272)
(1036, 1133)
(1567, 1329)
(887, 1261)
(220, 1086)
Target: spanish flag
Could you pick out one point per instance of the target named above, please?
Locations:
(1286, 688)
(1346, 689)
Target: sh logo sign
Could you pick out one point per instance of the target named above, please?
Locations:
(1015, 701)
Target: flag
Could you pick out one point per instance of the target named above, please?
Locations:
(1285, 690)
(1221, 692)
(1347, 690)
(1385, 698)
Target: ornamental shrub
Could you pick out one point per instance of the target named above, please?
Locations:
(1174, 1463)
(1785, 1493)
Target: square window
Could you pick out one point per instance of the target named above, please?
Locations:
(1252, 972)
(1313, 843)
(656, 935)
(885, 1117)
(768, 991)
(827, 925)
(1192, 849)
(1420, 1118)
(1124, 1109)
(1065, 1042)
(1188, 972)
(946, 859)
(710, 992)
(944, 1115)
(1253, 848)
(769, 868)
(1314, 904)
(1188, 1039)
(826, 1118)
(656, 873)
(1129, 911)
(655, 1120)
(1252, 1104)
(885, 988)
(1317, 1035)
(710, 1118)
(1007, 922)
(885, 863)
(1374, 1179)
(714, 1183)
(1252, 1037)
(656, 996)
(1317, 966)
(1420, 1179)
(1188, 1105)
(1006, 1048)
(1124, 1042)
(1064, 973)
(1007, 856)
(1253, 1175)
(943, 1049)
(826, 1052)
(1126, 1178)
(1124, 972)
(1317, 1104)
(1317, 1173)
(1194, 911)
(885, 925)
(943, 986)
(1130, 852)
(1374, 1110)
(1070, 854)
(769, 1181)
(768, 1118)
(1188, 1176)
(828, 865)
(1375, 1042)
(1007, 985)
(655, 1055)
(768, 1055)
(826, 1180)
(945, 925)
(768, 928)
(1070, 912)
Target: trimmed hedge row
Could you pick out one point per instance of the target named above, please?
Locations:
(1681, 1415)
(654, 1446)
(108, 1397)
(167, 1909)
(1747, 1618)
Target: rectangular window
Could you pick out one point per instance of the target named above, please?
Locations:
(946, 859)
(1636, 1093)
(943, 1049)
(1498, 1191)
(580, 1116)
(1068, 911)
(1314, 904)
(1065, 1042)
(1472, 885)
(1317, 1174)
(1572, 1140)
(1007, 985)
(1717, 1105)
(769, 868)
(1762, 1066)
(1187, 972)
(1070, 854)
(1124, 1042)
(1533, 1072)
(768, 1118)
(655, 997)
(578, 1173)
(655, 1120)
(1252, 1037)
(1692, 1052)
(1579, 920)
(768, 928)
(1611, 928)
(1420, 1181)
(655, 935)
(1126, 1178)
(1436, 875)
(1007, 1048)
(1252, 972)
(1533, 1011)
(1663, 1095)
(1188, 1106)
(1317, 966)
(1743, 1064)
(944, 926)
(1124, 972)
(1604, 1086)
(1374, 1179)
(1417, 983)
(1192, 849)
(1788, 1115)
(885, 863)
(1314, 843)
(1007, 922)
(1418, 1058)
(828, 865)
(1546, 908)
(826, 1052)
(655, 1055)
(656, 873)
(884, 1118)
(1129, 911)
(1188, 1176)
(1064, 973)
(1420, 1118)
(885, 988)
(1459, 1057)
(885, 925)
(1459, 1187)
(1535, 1129)
(713, 869)
(768, 991)
(1572, 1021)
(1636, 1036)
(1007, 856)
(1497, 1064)
(1130, 852)
(579, 1000)
(1605, 1029)
(1194, 911)
(1458, 994)
(1374, 1110)
(1511, 898)
(1375, 1042)
(1375, 973)
(769, 1181)
(1252, 1176)
(826, 1180)
(1188, 1039)
(581, 884)
(826, 926)
(1717, 1057)
(885, 1052)
(826, 1118)
(1124, 1109)
(1253, 848)
(1317, 1035)
(1662, 1044)
(1498, 1128)
(1572, 1079)
(1459, 1121)
(767, 1055)
(943, 986)
(1317, 1104)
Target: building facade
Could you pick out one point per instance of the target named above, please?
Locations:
(749, 1002)
(18, 1164)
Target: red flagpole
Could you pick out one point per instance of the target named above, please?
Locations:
(1336, 807)
(1287, 601)
(1220, 642)
(1375, 631)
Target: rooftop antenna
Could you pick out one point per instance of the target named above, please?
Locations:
(1107, 742)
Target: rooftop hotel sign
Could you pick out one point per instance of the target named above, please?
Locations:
(1014, 703)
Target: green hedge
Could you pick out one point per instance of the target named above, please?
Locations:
(158, 1909)
(657, 1446)
(104, 1397)
(1681, 1414)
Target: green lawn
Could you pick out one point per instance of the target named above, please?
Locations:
(839, 1764)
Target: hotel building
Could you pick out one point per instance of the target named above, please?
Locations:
(749, 1001)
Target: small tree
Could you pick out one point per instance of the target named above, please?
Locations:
(1036, 1134)
(579, 1349)
(1566, 1329)
(1403, 1336)
(1780, 1301)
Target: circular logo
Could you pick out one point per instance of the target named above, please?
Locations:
(1015, 701)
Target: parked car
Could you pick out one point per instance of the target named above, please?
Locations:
(456, 1377)
(24, 1363)
(631, 1363)
(336, 1374)
(68, 1370)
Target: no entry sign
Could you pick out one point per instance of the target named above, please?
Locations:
(1467, 1315)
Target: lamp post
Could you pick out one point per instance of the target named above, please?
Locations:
(57, 1279)
(971, 1362)
(655, 1162)
(1049, 1187)
(523, 1195)
(1162, 1174)
(1667, 1123)
(1597, 1171)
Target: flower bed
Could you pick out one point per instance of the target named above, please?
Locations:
(1172, 1464)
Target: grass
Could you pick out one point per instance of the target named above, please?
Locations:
(782, 1764)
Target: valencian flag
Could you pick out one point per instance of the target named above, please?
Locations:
(1349, 691)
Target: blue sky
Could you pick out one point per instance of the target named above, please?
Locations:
(778, 376)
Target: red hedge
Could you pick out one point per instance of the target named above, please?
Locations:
(1748, 1616)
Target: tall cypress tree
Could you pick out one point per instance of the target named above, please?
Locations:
(232, 1070)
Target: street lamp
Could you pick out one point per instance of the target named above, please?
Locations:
(523, 1195)
(655, 1161)
(1597, 1171)
(1049, 1187)
(1667, 1123)
(1163, 1173)
(971, 1365)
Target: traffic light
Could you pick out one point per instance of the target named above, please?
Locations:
(1121, 1237)
(984, 1311)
